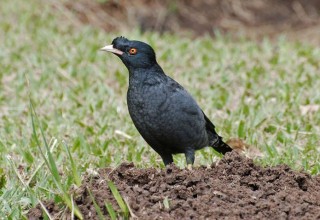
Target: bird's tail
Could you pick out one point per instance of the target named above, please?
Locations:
(220, 146)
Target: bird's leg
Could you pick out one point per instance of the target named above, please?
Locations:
(190, 158)
(167, 159)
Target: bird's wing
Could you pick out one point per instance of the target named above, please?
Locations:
(188, 104)
(209, 125)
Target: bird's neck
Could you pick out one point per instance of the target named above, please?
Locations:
(146, 75)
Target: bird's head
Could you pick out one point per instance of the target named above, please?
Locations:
(134, 54)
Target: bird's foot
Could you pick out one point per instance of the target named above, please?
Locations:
(189, 166)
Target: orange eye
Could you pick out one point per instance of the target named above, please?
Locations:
(133, 51)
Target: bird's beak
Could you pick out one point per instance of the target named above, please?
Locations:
(110, 48)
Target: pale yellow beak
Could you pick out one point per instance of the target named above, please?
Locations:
(110, 48)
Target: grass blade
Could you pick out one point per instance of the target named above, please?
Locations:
(111, 211)
(123, 206)
(50, 162)
(98, 210)
(74, 170)
(166, 202)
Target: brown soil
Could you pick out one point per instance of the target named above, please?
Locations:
(235, 188)
(298, 19)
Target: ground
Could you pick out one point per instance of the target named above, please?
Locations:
(66, 134)
(256, 19)
(234, 188)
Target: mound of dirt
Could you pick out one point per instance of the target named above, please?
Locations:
(235, 188)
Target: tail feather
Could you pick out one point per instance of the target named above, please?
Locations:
(220, 146)
(215, 140)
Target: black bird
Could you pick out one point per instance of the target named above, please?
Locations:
(164, 113)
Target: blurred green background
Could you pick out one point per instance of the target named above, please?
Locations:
(255, 77)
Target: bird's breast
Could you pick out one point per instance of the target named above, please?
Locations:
(147, 105)
(146, 99)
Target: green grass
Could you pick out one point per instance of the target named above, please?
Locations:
(251, 90)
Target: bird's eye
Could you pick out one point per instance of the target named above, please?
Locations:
(133, 51)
